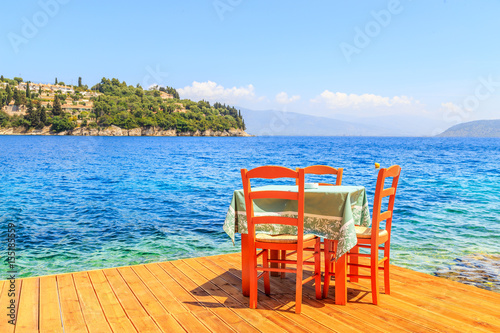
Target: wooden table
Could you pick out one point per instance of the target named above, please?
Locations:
(330, 212)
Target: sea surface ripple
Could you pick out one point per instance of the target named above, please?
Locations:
(82, 203)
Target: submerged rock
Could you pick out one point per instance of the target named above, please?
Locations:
(480, 270)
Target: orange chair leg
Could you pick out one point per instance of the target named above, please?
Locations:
(354, 260)
(265, 264)
(317, 269)
(374, 274)
(253, 283)
(298, 290)
(328, 258)
(387, 281)
(246, 263)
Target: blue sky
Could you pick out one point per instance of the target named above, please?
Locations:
(422, 64)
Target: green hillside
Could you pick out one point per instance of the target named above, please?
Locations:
(111, 103)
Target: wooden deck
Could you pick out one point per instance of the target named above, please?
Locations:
(204, 295)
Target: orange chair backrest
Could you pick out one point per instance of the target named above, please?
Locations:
(325, 170)
(380, 193)
(273, 172)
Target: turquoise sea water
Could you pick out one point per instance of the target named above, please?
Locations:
(82, 203)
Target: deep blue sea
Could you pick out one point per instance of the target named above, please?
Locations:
(82, 203)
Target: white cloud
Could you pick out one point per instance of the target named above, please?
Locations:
(214, 92)
(283, 98)
(340, 100)
(449, 106)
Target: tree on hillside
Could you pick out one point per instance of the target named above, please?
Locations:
(171, 91)
(55, 81)
(4, 119)
(36, 114)
(60, 124)
(10, 95)
(80, 81)
(18, 80)
(203, 103)
(1, 78)
(3, 98)
(40, 91)
(43, 115)
(28, 92)
(31, 114)
(19, 97)
(56, 108)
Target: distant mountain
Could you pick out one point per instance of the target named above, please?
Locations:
(399, 124)
(478, 128)
(272, 122)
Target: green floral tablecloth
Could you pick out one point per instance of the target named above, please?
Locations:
(330, 212)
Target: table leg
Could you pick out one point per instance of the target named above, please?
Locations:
(341, 280)
(275, 255)
(245, 265)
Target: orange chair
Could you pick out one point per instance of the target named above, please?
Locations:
(318, 170)
(280, 242)
(325, 170)
(373, 238)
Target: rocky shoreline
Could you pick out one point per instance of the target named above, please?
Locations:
(480, 270)
(117, 131)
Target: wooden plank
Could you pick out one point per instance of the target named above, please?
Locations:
(9, 292)
(27, 316)
(410, 310)
(361, 292)
(434, 318)
(466, 316)
(133, 308)
(213, 321)
(50, 312)
(192, 323)
(369, 321)
(91, 308)
(405, 274)
(170, 284)
(445, 301)
(188, 320)
(71, 312)
(449, 295)
(148, 301)
(217, 276)
(469, 294)
(343, 317)
(204, 295)
(386, 320)
(115, 315)
(162, 294)
(236, 321)
(285, 302)
(232, 285)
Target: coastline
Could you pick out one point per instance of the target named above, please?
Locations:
(117, 131)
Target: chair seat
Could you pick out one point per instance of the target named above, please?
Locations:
(365, 232)
(283, 239)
